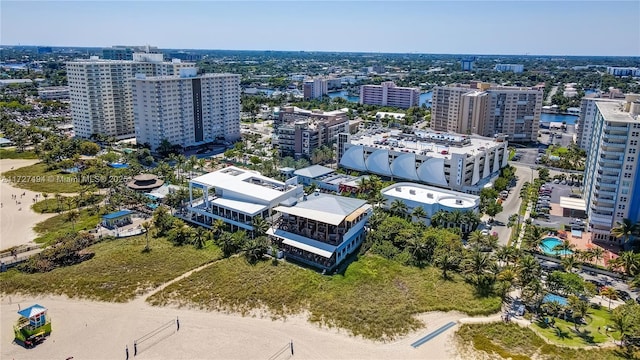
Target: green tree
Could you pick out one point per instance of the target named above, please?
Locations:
(609, 293)
(624, 230)
(73, 216)
(260, 226)
(447, 262)
(147, 227)
(398, 208)
(255, 249)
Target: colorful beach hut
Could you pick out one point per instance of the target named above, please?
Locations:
(33, 325)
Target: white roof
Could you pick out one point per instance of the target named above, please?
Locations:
(240, 181)
(241, 206)
(329, 209)
(303, 243)
(572, 203)
(431, 195)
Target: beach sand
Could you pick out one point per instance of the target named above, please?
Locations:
(96, 330)
(16, 227)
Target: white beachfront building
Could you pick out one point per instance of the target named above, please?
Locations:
(320, 230)
(236, 196)
(430, 198)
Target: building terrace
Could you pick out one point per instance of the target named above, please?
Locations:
(320, 230)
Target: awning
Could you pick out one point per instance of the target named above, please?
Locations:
(308, 248)
(354, 215)
(32, 311)
(303, 243)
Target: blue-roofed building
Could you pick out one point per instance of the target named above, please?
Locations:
(117, 219)
(5, 142)
(320, 230)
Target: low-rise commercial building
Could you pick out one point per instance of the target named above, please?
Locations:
(452, 161)
(236, 196)
(430, 199)
(516, 68)
(54, 93)
(326, 179)
(320, 230)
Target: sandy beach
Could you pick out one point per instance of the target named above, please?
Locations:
(16, 227)
(95, 330)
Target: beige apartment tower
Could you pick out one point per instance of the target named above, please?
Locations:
(487, 110)
(101, 94)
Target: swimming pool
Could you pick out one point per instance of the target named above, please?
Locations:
(119, 165)
(549, 243)
(557, 298)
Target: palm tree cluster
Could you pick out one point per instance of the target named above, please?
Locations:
(465, 221)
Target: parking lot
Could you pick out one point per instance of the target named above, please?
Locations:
(556, 220)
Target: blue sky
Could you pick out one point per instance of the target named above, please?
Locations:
(459, 27)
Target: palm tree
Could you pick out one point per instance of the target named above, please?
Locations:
(579, 308)
(255, 249)
(447, 261)
(630, 262)
(73, 216)
(623, 324)
(566, 247)
(476, 239)
(609, 293)
(201, 236)
(227, 244)
(569, 263)
(624, 230)
(471, 219)
(376, 199)
(419, 214)
(533, 293)
(420, 249)
(598, 253)
(528, 269)
(503, 254)
(45, 196)
(58, 198)
(456, 218)
(476, 264)
(146, 226)
(217, 227)
(398, 208)
(439, 218)
(260, 226)
(534, 235)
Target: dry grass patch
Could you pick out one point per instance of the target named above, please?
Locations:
(119, 271)
(375, 298)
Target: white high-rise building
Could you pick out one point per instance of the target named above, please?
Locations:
(612, 175)
(516, 68)
(186, 109)
(100, 92)
(587, 119)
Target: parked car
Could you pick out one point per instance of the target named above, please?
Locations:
(556, 181)
(623, 295)
(563, 182)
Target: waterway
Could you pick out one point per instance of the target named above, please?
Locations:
(425, 98)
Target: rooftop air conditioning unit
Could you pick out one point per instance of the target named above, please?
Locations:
(430, 195)
(412, 192)
(399, 189)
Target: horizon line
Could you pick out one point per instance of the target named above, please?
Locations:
(327, 51)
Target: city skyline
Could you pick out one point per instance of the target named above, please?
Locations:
(457, 27)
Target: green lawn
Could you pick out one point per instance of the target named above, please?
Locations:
(37, 178)
(119, 271)
(558, 150)
(375, 298)
(59, 225)
(564, 332)
(518, 343)
(13, 154)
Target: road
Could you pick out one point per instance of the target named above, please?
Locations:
(512, 204)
